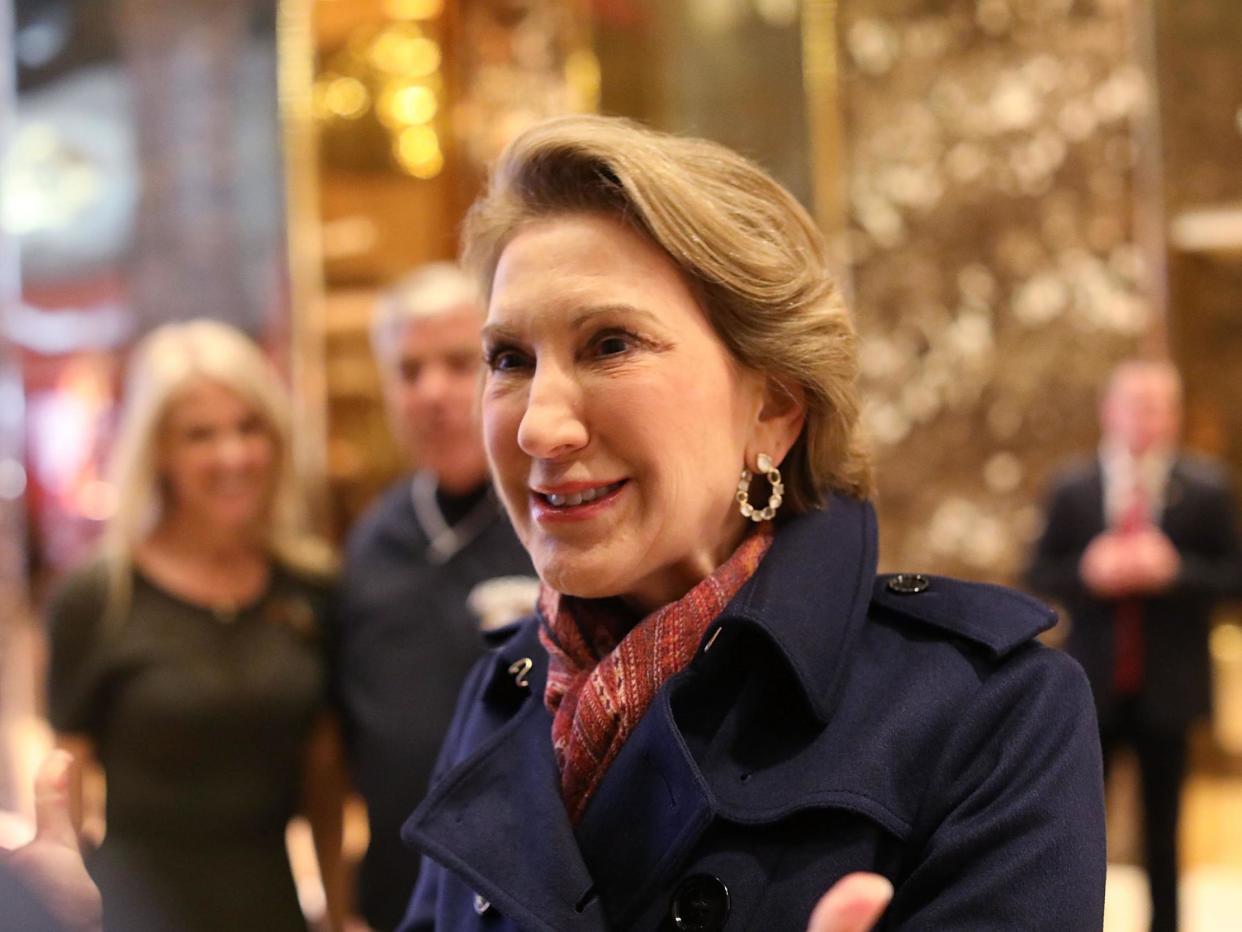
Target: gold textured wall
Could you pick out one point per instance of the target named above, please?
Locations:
(993, 165)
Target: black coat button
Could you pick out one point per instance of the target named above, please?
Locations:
(700, 904)
(908, 583)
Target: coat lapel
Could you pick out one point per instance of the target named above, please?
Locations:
(1174, 496)
(655, 775)
(809, 612)
(497, 819)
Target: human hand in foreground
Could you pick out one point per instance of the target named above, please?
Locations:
(854, 904)
(51, 863)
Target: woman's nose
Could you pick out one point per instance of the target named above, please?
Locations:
(552, 425)
(233, 450)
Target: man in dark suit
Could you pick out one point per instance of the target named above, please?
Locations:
(1139, 544)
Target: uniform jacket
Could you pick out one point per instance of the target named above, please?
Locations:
(405, 641)
(1198, 519)
(831, 722)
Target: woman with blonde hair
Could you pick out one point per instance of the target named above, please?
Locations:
(720, 711)
(188, 659)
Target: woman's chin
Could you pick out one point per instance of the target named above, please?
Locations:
(232, 520)
(580, 580)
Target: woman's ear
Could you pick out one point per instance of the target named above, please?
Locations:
(781, 419)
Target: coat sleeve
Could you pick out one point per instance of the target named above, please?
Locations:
(420, 914)
(1213, 568)
(1053, 568)
(1011, 832)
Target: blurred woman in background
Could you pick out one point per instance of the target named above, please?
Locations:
(187, 659)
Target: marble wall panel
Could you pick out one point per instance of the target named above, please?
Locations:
(997, 271)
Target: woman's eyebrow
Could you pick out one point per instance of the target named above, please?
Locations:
(503, 332)
(498, 333)
(585, 316)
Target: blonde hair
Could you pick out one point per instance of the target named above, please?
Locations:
(748, 249)
(163, 365)
(431, 290)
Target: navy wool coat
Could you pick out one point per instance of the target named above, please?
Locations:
(832, 721)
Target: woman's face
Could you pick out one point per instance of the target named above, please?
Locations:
(217, 457)
(615, 420)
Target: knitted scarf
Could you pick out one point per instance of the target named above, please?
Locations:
(604, 670)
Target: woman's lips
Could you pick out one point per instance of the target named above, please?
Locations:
(574, 501)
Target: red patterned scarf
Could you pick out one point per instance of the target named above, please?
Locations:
(604, 670)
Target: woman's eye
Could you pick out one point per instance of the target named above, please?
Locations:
(613, 344)
(504, 360)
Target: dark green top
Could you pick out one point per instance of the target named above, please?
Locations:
(200, 721)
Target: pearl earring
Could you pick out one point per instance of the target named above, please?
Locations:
(773, 475)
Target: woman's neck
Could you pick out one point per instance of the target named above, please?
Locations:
(204, 565)
(672, 583)
(177, 536)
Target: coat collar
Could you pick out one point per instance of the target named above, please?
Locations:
(656, 775)
(810, 595)
(497, 819)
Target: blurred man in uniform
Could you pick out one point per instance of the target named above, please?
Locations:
(1139, 544)
(434, 541)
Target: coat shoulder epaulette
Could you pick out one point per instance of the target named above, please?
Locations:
(993, 617)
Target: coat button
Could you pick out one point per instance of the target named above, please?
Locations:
(481, 905)
(700, 904)
(908, 583)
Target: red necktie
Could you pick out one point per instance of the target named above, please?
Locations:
(1128, 618)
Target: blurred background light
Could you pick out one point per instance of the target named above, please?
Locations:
(12, 479)
(347, 98)
(413, 9)
(418, 152)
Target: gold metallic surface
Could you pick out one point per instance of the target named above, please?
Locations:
(997, 262)
(385, 77)
(1150, 213)
(821, 76)
(295, 80)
